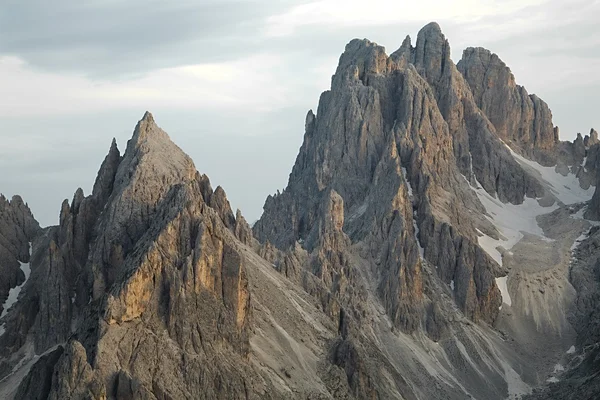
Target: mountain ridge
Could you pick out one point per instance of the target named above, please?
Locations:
(375, 271)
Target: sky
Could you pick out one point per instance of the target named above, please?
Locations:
(231, 81)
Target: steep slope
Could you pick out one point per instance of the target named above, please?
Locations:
(579, 379)
(141, 281)
(18, 228)
(521, 119)
(403, 185)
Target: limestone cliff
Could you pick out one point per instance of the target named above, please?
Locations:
(18, 228)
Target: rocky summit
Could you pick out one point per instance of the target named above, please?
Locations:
(436, 239)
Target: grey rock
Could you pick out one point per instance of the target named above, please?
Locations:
(522, 120)
(18, 228)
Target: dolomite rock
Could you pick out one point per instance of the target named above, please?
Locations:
(366, 281)
(18, 228)
(380, 118)
(142, 269)
(522, 120)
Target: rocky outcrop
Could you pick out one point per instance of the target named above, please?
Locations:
(591, 139)
(522, 120)
(146, 267)
(477, 147)
(409, 112)
(18, 228)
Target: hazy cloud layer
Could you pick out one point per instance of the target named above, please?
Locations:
(231, 81)
(114, 38)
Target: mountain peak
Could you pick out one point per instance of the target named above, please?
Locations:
(431, 28)
(147, 127)
(148, 117)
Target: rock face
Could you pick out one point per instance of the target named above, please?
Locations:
(522, 120)
(391, 158)
(142, 269)
(18, 229)
(409, 112)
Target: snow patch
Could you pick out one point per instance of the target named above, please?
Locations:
(558, 368)
(571, 350)
(579, 214)
(421, 249)
(552, 380)
(502, 285)
(452, 284)
(13, 294)
(564, 188)
(405, 174)
(416, 228)
(510, 220)
(580, 239)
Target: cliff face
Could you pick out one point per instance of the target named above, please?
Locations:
(411, 112)
(142, 273)
(398, 148)
(18, 228)
(522, 120)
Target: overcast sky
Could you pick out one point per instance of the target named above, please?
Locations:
(231, 81)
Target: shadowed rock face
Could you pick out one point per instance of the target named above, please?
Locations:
(393, 148)
(411, 111)
(18, 228)
(522, 120)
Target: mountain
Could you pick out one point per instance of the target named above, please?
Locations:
(436, 239)
(18, 227)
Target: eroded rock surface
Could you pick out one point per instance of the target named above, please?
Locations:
(18, 228)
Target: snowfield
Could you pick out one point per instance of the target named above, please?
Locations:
(565, 188)
(13, 294)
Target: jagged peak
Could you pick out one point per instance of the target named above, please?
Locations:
(147, 127)
(432, 52)
(406, 42)
(17, 200)
(483, 56)
(482, 52)
(106, 173)
(360, 57)
(149, 141)
(310, 120)
(402, 56)
(357, 43)
(432, 27)
(148, 117)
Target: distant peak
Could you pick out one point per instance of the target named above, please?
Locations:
(146, 129)
(356, 43)
(148, 117)
(406, 42)
(432, 27)
(360, 57)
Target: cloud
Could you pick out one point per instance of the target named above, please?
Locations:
(119, 38)
(246, 84)
(378, 12)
